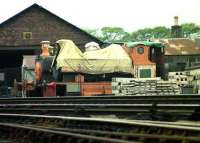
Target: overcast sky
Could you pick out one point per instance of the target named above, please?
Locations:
(128, 14)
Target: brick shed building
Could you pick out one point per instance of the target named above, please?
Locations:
(21, 35)
(181, 53)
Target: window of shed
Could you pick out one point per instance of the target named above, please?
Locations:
(27, 35)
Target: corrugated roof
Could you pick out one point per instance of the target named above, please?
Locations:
(180, 46)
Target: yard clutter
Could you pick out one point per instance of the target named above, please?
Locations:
(91, 72)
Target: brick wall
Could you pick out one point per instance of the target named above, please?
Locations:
(43, 25)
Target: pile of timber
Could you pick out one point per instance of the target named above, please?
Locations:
(144, 86)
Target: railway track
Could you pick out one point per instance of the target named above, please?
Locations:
(51, 129)
(30, 134)
(168, 99)
(168, 108)
(131, 111)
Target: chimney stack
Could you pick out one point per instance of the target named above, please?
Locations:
(176, 29)
(45, 48)
(175, 20)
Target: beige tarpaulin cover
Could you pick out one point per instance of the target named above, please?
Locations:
(107, 60)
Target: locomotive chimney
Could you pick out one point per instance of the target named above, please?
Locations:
(45, 48)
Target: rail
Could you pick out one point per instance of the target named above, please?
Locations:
(176, 107)
(78, 129)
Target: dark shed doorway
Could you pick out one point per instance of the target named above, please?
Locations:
(10, 64)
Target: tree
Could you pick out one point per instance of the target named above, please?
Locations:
(151, 33)
(126, 37)
(190, 28)
(161, 32)
(142, 34)
(93, 32)
(117, 34)
(112, 34)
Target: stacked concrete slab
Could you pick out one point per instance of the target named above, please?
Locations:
(143, 86)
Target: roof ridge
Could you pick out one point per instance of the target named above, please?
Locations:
(44, 9)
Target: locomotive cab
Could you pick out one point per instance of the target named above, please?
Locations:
(147, 58)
